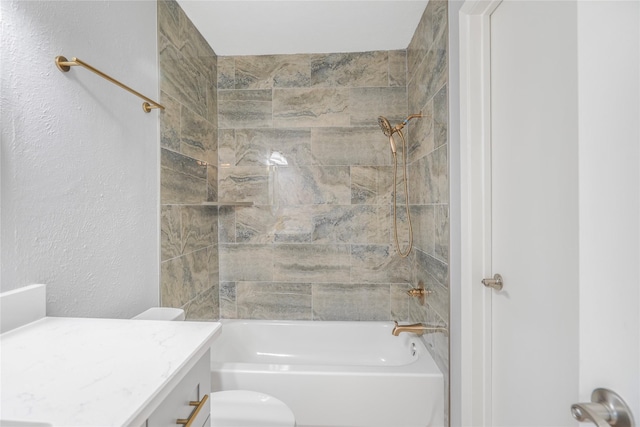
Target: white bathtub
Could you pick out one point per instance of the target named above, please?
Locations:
(333, 373)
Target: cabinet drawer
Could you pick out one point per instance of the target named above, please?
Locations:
(193, 388)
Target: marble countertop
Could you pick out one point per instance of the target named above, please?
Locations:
(95, 372)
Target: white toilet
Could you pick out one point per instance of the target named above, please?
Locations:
(234, 408)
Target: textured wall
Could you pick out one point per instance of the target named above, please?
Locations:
(189, 231)
(79, 156)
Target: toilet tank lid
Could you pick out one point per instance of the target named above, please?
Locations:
(161, 313)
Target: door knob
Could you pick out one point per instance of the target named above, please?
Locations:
(605, 409)
(495, 283)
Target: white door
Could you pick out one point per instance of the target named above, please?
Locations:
(534, 159)
(559, 190)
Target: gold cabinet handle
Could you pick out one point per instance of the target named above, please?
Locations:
(194, 414)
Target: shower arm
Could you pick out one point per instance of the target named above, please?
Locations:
(402, 124)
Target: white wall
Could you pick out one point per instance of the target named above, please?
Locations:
(609, 165)
(79, 177)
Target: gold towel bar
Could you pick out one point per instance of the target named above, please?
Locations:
(65, 65)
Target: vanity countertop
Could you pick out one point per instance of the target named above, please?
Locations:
(95, 372)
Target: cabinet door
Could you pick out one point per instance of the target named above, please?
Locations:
(193, 388)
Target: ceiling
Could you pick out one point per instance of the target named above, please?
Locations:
(262, 27)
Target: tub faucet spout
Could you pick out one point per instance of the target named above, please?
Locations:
(417, 328)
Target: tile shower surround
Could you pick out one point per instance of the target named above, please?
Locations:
(297, 135)
(189, 158)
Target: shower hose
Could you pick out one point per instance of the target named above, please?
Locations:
(406, 199)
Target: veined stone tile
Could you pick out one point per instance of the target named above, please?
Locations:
(438, 269)
(438, 178)
(173, 292)
(438, 299)
(204, 306)
(199, 227)
(212, 101)
(437, 343)
(428, 178)
(226, 72)
(442, 238)
(227, 147)
(294, 224)
(371, 185)
(227, 224)
(244, 184)
(246, 262)
(423, 220)
(378, 264)
(421, 134)
(277, 147)
(264, 95)
(198, 267)
(420, 193)
(243, 114)
(183, 164)
(420, 43)
(313, 185)
(350, 146)
(198, 137)
(398, 68)
(171, 21)
(269, 300)
(213, 256)
(228, 308)
(197, 49)
(182, 179)
(438, 17)
(169, 123)
(366, 104)
(182, 278)
(339, 301)
(255, 224)
(179, 78)
(400, 302)
(311, 263)
(441, 117)
(244, 108)
(170, 232)
(204, 67)
(430, 75)
(350, 224)
(310, 107)
(212, 183)
(402, 222)
(350, 69)
(269, 71)
(176, 187)
(260, 224)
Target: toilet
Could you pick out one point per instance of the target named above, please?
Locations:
(234, 408)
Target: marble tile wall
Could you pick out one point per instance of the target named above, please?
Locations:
(299, 137)
(427, 59)
(189, 160)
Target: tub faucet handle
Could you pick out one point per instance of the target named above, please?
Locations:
(419, 292)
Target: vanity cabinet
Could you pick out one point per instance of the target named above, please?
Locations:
(106, 372)
(188, 403)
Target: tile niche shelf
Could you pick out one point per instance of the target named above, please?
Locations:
(221, 204)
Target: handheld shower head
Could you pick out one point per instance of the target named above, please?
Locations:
(385, 126)
(388, 131)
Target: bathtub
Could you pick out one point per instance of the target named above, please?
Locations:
(332, 373)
